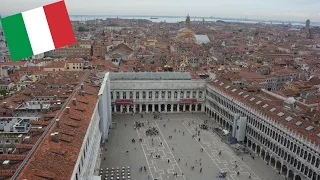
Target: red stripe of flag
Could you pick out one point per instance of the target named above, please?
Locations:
(59, 24)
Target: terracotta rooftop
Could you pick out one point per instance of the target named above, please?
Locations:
(288, 120)
(57, 160)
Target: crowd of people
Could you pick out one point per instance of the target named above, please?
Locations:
(152, 131)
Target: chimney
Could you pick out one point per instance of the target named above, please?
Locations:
(27, 139)
(20, 138)
(5, 105)
(57, 123)
(58, 93)
(68, 109)
(83, 93)
(74, 101)
(6, 164)
(54, 137)
(55, 97)
(81, 86)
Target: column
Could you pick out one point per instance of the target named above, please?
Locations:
(115, 108)
(152, 107)
(197, 94)
(121, 94)
(140, 95)
(121, 108)
(184, 108)
(166, 95)
(202, 107)
(134, 108)
(134, 94)
(127, 108)
(147, 107)
(171, 107)
(172, 95)
(165, 107)
(179, 93)
(196, 110)
(153, 96)
(178, 108)
(190, 107)
(140, 110)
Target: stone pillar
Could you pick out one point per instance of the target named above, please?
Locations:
(115, 108)
(197, 94)
(171, 107)
(202, 107)
(147, 107)
(166, 95)
(140, 95)
(184, 107)
(172, 95)
(179, 94)
(127, 108)
(121, 94)
(153, 108)
(140, 110)
(178, 108)
(190, 107)
(121, 108)
(134, 108)
(196, 110)
(165, 107)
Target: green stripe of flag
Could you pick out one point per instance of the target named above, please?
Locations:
(17, 37)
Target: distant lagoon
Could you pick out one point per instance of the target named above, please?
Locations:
(175, 19)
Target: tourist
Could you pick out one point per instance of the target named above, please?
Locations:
(168, 161)
(200, 170)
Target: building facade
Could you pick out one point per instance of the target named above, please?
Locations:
(287, 152)
(97, 132)
(156, 92)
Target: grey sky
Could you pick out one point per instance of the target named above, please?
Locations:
(253, 9)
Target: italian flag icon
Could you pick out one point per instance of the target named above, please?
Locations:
(38, 30)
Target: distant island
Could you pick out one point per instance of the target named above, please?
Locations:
(154, 18)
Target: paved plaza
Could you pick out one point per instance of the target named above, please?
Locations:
(177, 154)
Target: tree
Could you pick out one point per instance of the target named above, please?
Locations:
(3, 92)
(82, 29)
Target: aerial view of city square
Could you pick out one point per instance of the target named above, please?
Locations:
(159, 90)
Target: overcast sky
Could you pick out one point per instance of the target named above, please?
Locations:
(253, 9)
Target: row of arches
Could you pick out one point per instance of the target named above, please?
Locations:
(134, 108)
(282, 168)
(262, 126)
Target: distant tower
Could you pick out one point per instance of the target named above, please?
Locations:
(308, 24)
(202, 22)
(188, 22)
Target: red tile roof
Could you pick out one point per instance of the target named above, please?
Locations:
(57, 160)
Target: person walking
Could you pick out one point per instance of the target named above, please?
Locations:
(200, 170)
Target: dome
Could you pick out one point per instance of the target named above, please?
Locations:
(290, 100)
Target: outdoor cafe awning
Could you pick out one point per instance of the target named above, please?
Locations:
(124, 101)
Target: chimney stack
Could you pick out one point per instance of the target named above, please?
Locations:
(74, 101)
(58, 123)
(82, 86)
(6, 164)
(20, 138)
(5, 105)
(83, 93)
(68, 110)
(54, 137)
(27, 139)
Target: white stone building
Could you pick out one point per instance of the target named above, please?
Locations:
(156, 92)
(263, 128)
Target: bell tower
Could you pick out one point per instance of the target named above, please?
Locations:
(188, 22)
